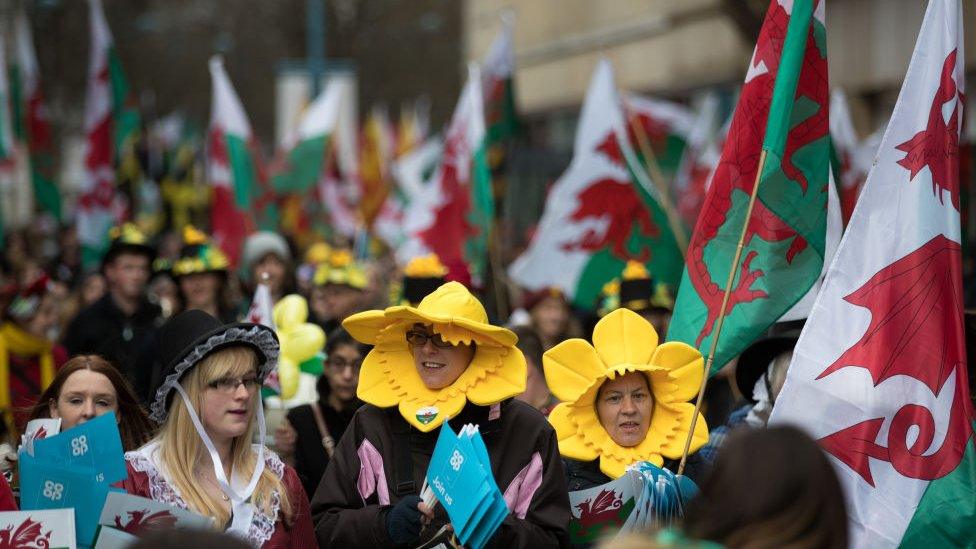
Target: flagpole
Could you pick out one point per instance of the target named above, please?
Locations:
(650, 160)
(721, 312)
(501, 289)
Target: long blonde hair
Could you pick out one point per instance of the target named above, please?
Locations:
(182, 448)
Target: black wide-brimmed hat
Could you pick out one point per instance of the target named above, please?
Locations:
(191, 336)
(754, 361)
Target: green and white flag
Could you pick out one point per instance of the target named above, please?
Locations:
(457, 223)
(782, 113)
(879, 373)
(602, 212)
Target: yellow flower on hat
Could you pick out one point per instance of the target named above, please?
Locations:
(127, 233)
(425, 266)
(341, 268)
(624, 342)
(389, 376)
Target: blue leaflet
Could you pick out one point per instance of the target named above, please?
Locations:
(95, 444)
(48, 485)
(74, 469)
(461, 477)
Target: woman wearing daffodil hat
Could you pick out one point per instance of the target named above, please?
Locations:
(201, 274)
(440, 361)
(624, 400)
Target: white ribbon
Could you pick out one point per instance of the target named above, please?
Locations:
(242, 512)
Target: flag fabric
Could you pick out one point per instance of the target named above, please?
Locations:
(601, 213)
(7, 144)
(412, 128)
(301, 171)
(457, 225)
(879, 373)
(232, 166)
(665, 125)
(409, 202)
(378, 146)
(699, 159)
(498, 90)
(111, 124)
(783, 114)
(305, 151)
(852, 157)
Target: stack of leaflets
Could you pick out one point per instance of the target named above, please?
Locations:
(646, 497)
(74, 470)
(460, 478)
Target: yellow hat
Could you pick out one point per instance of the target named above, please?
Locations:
(389, 377)
(199, 255)
(318, 253)
(624, 342)
(340, 268)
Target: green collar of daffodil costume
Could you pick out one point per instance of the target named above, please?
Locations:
(624, 342)
(389, 377)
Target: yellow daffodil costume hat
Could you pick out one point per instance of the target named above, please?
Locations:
(624, 342)
(389, 377)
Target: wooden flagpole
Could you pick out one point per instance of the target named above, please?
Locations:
(721, 313)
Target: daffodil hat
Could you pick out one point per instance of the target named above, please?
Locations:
(624, 342)
(389, 377)
(199, 255)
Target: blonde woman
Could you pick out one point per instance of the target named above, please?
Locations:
(208, 405)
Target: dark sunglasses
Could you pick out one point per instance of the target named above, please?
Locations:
(419, 339)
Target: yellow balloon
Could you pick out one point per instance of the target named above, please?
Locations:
(290, 311)
(288, 374)
(302, 342)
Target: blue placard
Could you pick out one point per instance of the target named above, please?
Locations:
(48, 485)
(95, 445)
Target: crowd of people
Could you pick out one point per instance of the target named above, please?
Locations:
(159, 333)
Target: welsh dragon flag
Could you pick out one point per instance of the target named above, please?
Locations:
(31, 125)
(408, 199)
(601, 213)
(110, 124)
(783, 111)
(306, 150)
(231, 165)
(300, 176)
(879, 372)
(665, 126)
(501, 116)
(457, 224)
(853, 158)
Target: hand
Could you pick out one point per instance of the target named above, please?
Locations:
(405, 520)
(8, 458)
(285, 438)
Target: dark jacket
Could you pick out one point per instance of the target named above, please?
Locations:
(367, 475)
(310, 455)
(103, 329)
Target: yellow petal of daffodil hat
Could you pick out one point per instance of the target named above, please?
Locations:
(389, 377)
(624, 342)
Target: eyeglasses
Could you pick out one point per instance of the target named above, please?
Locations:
(340, 364)
(419, 339)
(230, 384)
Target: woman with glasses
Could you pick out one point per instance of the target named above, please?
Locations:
(308, 436)
(207, 402)
(438, 362)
